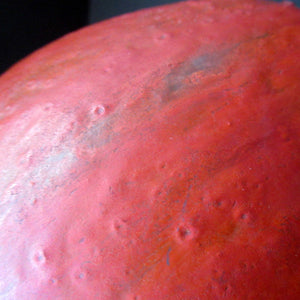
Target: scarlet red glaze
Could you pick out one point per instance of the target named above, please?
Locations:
(155, 156)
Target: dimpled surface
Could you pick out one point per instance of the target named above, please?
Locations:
(155, 156)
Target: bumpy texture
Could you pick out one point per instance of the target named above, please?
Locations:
(155, 156)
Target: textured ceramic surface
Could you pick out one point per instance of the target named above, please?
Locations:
(155, 156)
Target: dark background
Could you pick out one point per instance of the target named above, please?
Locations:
(26, 25)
